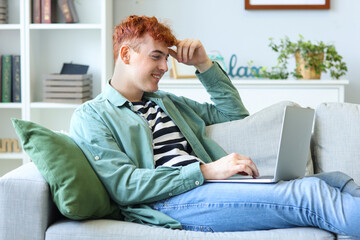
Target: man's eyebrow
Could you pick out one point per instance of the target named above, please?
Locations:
(160, 52)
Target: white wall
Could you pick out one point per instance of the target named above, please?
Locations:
(227, 27)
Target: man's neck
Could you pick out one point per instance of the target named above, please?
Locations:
(125, 90)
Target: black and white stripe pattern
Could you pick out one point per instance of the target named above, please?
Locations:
(170, 146)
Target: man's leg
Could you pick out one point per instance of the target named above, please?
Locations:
(237, 207)
(341, 181)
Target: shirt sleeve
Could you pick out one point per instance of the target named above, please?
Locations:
(126, 181)
(226, 102)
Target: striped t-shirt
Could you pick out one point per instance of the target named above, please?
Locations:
(170, 146)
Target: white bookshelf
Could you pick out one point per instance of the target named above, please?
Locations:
(43, 49)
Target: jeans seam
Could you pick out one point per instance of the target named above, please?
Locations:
(313, 214)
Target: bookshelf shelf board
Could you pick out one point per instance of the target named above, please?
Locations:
(10, 105)
(68, 26)
(46, 105)
(11, 155)
(10, 26)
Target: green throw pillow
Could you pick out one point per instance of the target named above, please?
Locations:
(75, 188)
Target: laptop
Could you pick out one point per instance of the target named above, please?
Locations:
(293, 149)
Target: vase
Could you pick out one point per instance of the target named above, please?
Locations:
(303, 69)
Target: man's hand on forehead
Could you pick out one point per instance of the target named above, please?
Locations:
(191, 52)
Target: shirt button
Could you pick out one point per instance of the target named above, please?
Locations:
(170, 194)
(197, 183)
(97, 158)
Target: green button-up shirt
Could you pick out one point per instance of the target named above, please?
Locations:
(118, 144)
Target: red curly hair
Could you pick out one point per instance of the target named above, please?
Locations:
(134, 27)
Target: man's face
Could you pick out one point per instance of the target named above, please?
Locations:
(148, 64)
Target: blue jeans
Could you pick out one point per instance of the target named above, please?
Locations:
(329, 201)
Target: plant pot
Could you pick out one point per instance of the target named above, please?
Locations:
(306, 71)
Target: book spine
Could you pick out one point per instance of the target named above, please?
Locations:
(36, 11)
(73, 12)
(0, 78)
(16, 79)
(65, 9)
(46, 11)
(6, 78)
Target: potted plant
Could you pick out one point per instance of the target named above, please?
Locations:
(311, 60)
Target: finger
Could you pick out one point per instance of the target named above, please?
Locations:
(184, 50)
(243, 157)
(193, 46)
(173, 53)
(179, 49)
(244, 169)
(251, 165)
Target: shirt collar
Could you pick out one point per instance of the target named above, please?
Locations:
(114, 96)
(119, 100)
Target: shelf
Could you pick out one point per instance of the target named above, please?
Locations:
(11, 105)
(11, 155)
(46, 105)
(238, 82)
(10, 26)
(65, 26)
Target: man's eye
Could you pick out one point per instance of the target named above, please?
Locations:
(155, 57)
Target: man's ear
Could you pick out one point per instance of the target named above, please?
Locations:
(124, 54)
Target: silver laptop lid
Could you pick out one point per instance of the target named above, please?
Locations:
(294, 143)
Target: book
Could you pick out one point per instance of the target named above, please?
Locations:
(67, 88)
(74, 83)
(73, 11)
(6, 78)
(16, 79)
(67, 100)
(48, 88)
(71, 68)
(36, 11)
(46, 15)
(3, 12)
(64, 6)
(57, 76)
(65, 95)
(0, 77)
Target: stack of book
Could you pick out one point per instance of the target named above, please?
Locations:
(3, 12)
(54, 11)
(10, 78)
(67, 88)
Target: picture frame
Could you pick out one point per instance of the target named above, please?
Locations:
(286, 4)
(180, 70)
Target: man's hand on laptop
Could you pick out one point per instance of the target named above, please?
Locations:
(228, 166)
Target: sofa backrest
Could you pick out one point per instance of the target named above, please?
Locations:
(336, 139)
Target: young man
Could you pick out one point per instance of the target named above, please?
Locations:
(149, 148)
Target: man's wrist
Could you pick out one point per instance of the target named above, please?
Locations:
(203, 67)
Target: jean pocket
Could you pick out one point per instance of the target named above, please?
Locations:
(197, 228)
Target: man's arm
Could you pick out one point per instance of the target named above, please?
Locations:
(227, 102)
(227, 105)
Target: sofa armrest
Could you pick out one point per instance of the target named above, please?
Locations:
(25, 204)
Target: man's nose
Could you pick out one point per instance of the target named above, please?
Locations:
(164, 66)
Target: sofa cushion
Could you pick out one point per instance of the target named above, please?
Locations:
(113, 230)
(256, 136)
(75, 188)
(336, 139)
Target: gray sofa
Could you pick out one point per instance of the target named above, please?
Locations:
(28, 212)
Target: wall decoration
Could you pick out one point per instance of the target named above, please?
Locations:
(242, 71)
(180, 70)
(287, 4)
(9, 145)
